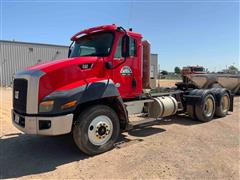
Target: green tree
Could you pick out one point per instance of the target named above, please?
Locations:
(177, 70)
(164, 72)
(232, 68)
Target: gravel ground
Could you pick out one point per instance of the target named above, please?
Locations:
(174, 148)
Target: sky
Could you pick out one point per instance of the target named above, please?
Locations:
(181, 32)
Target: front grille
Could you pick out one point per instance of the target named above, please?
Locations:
(20, 87)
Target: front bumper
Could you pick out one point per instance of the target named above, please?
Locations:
(51, 126)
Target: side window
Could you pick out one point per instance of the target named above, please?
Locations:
(118, 53)
(132, 47)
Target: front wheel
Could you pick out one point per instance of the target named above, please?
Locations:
(96, 129)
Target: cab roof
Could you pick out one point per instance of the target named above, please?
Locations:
(112, 27)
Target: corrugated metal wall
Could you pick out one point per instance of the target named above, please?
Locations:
(153, 70)
(14, 56)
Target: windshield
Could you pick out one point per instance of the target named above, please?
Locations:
(97, 44)
(198, 69)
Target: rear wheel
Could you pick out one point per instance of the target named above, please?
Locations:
(205, 110)
(191, 107)
(224, 105)
(96, 129)
(191, 111)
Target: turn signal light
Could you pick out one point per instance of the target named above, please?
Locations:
(69, 105)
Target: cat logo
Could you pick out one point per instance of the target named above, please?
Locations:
(126, 71)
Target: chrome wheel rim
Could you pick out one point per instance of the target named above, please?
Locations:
(100, 130)
(208, 107)
(225, 103)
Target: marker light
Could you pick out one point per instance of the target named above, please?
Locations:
(69, 105)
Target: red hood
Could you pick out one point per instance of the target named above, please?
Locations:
(64, 72)
(59, 64)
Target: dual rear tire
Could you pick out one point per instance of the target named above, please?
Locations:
(214, 102)
(223, 103)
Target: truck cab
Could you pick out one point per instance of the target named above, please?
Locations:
(188, 70)
(103, 65)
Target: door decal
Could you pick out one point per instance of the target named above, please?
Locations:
(126, 71)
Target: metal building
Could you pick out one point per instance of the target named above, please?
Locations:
(17, 55)
(153, 70)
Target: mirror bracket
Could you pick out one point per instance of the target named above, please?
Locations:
(125, 46)
(108, 65)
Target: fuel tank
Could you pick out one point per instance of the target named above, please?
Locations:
(163, 106)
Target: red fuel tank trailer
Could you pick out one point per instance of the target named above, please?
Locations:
(95, 92)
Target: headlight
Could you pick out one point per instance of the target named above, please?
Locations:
(46, 106)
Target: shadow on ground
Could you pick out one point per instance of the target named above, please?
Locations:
(23, 155)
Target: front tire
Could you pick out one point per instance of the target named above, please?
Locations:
(96, 129)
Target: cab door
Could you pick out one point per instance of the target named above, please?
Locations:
(123, 69)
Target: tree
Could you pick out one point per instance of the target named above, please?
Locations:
(233, 68)
(177, 70)
(164, 72)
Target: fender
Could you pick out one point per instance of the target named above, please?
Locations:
(82, 91)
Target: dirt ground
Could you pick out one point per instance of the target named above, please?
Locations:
(167, 82)
(173, 148)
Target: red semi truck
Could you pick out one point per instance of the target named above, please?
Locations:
(191, 70)
(95, 92)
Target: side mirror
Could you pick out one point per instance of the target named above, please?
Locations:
(125, 46)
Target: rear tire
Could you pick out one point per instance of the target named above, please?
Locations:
(96, 129)
(191, 111)
(206, 109)
(223, 107)
(190, 108)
